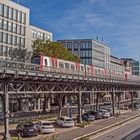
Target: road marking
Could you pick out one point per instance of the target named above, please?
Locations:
(111, 129)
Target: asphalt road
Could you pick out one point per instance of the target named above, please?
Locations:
(130, 131)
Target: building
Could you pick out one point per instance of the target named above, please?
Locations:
(89, 51)
(116, 65)
(15, 28)
(135, 65)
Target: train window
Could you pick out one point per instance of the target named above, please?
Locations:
(61, 64)
(87, 69)
(36, 60)
(72, 67)
(46, 62)
(67, 65)
(82, 68)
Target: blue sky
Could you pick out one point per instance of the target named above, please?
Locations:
(117, 21)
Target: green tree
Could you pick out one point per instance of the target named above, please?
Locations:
(53, 49)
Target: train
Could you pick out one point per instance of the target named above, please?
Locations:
(73, 68)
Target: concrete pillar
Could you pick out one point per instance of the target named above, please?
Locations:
(79, 108)
(19, 105)
(39, 104)
(113, 101)
(66, 100)
(49, 104)
(91, 99)
(97, 101)
(60, 105)
(132, 100)
(45, 103)
(6, 113)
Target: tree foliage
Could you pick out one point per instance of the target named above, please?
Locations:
(53, 49)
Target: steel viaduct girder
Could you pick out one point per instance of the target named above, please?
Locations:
(22, 83)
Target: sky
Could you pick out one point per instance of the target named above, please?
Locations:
(116, 21)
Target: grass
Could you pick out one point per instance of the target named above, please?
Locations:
(83, 124)
(16, 138)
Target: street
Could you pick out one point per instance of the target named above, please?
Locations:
(130, 131)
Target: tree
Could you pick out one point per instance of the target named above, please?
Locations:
(53, 49)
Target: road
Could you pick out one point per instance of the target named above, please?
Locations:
(130, 131)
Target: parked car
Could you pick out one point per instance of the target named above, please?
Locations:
(27, 129)
(136, 106)
(87, 117)
(65, 121)
(97, 114)
(45, 127)
(105, 113)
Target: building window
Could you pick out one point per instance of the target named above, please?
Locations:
(19, 19)
(1, 37)
(10, 13)
(10, 26)
(14, 28)
(1, 21)
(4, 50)
(1, 50)
(5, 11)
(14, 14)
(18, 41)
(14, 40)
(9, 39)
(5, 25)
(1, 9)
(23, 18)
(22, 42)
(5, 37)
(18, 29)
(9, 51)
(22, 30)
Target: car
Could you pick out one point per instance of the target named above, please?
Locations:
(27, 129)
(87, 117)
(97, 114)
(135, 105)
(65, 121)
(105, 113)
(45, 127)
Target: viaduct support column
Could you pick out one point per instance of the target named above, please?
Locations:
(79, 108)
(6, 112)
(132, 100)
(113, 101)
(97, 101)
(91, 99)
(60, 104)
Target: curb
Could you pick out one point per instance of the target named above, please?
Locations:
(106, 128)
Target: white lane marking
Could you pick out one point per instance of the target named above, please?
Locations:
(111, 129)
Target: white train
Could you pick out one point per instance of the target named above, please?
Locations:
(58, 65)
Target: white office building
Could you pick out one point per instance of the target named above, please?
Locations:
(15, 28)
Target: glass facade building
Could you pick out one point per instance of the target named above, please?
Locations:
(15, 30)
(89, 51)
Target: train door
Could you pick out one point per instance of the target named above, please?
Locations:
(54, 62)
(77, 66)
(92, 70)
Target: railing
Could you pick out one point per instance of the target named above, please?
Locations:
(15, 65)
